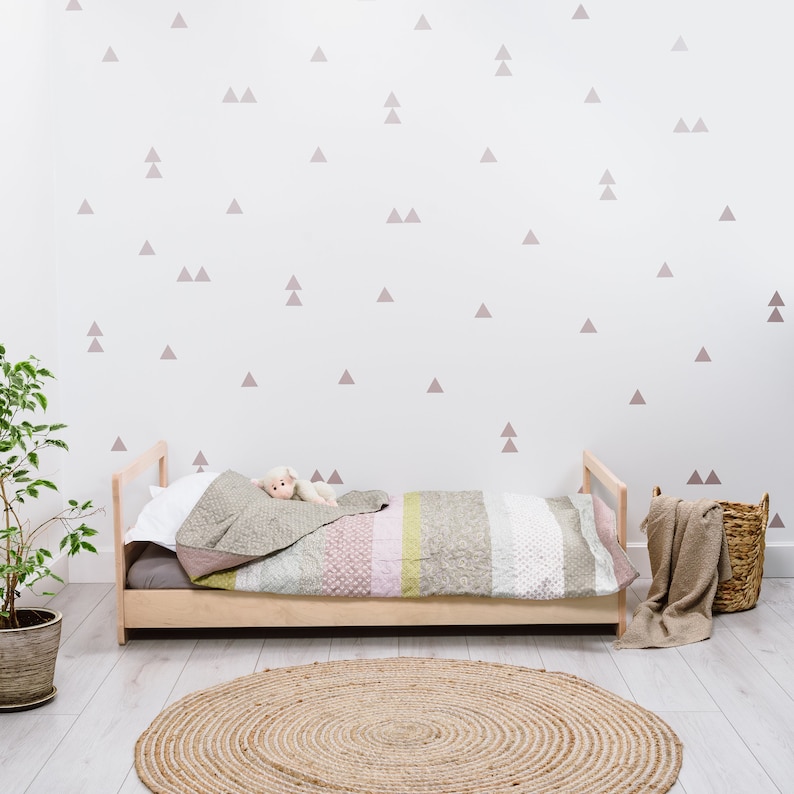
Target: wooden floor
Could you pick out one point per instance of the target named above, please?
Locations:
(730, 699)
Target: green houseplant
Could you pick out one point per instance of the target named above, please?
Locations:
(24, 554)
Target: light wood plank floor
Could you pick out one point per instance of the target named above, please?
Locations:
(730, 699)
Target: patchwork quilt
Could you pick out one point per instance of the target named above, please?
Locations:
(424, 543)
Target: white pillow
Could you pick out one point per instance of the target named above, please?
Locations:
(161, 518)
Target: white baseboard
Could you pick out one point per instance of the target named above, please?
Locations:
(100, 567)
(778, 560)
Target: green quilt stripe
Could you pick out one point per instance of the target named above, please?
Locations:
(223, 580)
(412, 531)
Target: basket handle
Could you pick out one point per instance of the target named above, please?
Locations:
(657, 491)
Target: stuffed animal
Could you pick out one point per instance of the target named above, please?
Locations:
(283, 483)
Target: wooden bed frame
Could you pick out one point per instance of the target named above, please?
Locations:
(206, 608)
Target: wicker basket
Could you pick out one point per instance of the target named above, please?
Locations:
(745, 528)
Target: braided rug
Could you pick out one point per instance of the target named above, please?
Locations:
(407, 726)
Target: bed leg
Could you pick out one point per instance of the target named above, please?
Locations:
(620, 626)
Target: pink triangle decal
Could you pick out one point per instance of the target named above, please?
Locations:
(680, 45)
(483, 311)
(588, 328)
(637, 399)
(530, 239)
(94, 330)
(294, 300)
(391, 101)
(509, 446)
(85, 208)
(249, 382)
(712, 479)
(681, 126)
(74, 6)
(316, 477)
(608, 195)
(727, 215)
(775, 317)
(435, 387)
(335, 479)
(592, 98)
(346, 379)
(200, 460)
(202, 275)
(385, 297)
(152, 157)
(167, 354)
(487, 157)
(184, 275)
(503, 71)
(776, 522)
(503, 54)
(700, 126)
(110, 56)
(664, 272)
(695, 479)
(319, 56)
(776, 300)
(178, 22)
(392, 118)
(580, 13)
(422, 24)
(230, 96)
(146, 250)
(318, 156)
(293, 284)
(606, 179)
(234, 208)
(95, 347)
(248, 97)
(508, 432)
(118, 445)
(412, 217)
(154, 172)
(703, 355)
(394, 217)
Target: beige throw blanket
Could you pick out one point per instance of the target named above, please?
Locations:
(689, 557)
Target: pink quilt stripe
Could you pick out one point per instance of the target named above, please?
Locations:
(348, 563)
(387, 549)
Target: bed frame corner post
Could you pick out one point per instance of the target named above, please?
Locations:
(118, 546)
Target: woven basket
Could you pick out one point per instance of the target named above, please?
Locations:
(745, 528)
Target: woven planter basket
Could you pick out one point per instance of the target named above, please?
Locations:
(745, 529)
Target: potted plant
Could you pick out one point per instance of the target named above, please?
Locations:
(29, 636)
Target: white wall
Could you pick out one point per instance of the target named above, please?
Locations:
(28, 290)
(500, 142)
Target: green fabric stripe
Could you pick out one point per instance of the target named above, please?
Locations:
(223, 580)
(412, 523)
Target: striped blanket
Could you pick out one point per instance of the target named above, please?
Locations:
(407, 545)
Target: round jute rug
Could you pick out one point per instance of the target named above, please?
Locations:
(405, 726)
